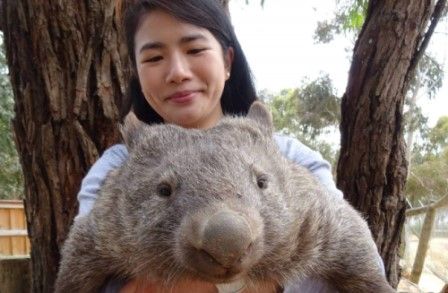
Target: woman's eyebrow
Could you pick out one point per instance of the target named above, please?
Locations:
(151, 45)
(191, 38)
(183, 40)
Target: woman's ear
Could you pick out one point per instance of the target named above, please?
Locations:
(228, 61)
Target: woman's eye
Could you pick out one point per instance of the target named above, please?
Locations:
(153, 59)
(195, 51)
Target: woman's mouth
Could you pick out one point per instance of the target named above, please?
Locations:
(182, 97)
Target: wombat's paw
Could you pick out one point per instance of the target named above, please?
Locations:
(222, 246)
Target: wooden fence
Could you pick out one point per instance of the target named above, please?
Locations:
(13, 234)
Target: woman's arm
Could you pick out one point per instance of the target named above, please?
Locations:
(112, 158)
(299, 153)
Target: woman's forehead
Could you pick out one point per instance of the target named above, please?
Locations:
(159, 26)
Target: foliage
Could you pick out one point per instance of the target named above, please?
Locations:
(10, 172)
(429, 180)
(429, 75)
(435, 141)
(414, 118)
(309, 113)
(312, 111)
(319, 106)
(438, 136)
(349, 18)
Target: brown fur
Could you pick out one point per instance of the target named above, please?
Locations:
(238, 209)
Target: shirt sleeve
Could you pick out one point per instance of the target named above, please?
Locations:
(308, 158)
(112, 158)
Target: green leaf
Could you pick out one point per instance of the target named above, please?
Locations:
(11, 180)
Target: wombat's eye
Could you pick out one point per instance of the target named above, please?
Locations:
(164, 189)
(262, 181)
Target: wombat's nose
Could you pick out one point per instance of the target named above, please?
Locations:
(227, 238)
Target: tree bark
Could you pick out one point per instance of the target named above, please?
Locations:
(67, 66)
(372, 165)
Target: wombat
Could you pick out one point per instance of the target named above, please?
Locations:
(220, 205)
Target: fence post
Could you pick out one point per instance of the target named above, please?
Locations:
(423, 244)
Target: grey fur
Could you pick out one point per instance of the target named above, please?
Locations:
(238, 209)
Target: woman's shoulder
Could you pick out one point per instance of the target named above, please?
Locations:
(117, 152)
(112, 157)
(301, 154)
(295, 150)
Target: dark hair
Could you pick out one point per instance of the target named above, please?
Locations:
(239, 91)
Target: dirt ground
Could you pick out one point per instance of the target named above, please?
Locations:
(436, 260)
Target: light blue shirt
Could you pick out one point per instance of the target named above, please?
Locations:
(291, 148)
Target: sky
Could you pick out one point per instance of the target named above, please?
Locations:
(278, 42)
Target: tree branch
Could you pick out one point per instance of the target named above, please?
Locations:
(435, 17)
(438, 204)
(1, 15)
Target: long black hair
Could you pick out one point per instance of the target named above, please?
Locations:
(239, 91)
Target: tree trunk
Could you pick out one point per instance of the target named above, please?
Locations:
(372, 164)
(67, 72)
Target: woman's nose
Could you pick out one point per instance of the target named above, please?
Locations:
(178, 69)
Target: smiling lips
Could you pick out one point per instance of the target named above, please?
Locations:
(182, 97)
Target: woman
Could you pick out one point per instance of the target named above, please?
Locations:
(189, 70)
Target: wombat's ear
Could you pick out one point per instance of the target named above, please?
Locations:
(130, 129)
(260, 114)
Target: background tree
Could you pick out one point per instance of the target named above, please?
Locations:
(372, 164)
(438, 136)
(427, 180)
(349, 18)
(429, 76)
(67, 71)
(11, 182)
(310, 113)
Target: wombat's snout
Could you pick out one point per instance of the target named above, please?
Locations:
(227, 238)
(221, 245)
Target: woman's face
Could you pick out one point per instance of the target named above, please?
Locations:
(182, 70)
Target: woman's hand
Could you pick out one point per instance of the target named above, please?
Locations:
(138, 286)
